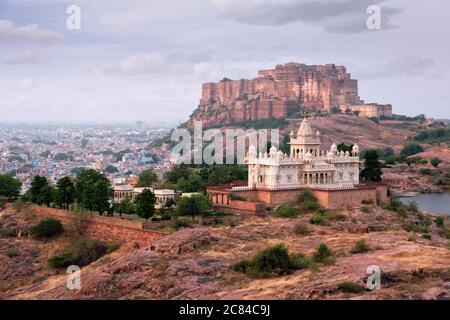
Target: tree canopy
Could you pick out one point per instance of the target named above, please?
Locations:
(145, 204)
(9, 187)
(147, 178)
(193, 206)
(372, 167)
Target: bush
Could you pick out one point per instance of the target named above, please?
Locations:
(11, 251)
(440, 221)
(367, 202)
(411, 226)
(286, 211)
(360, 247)
(300, 261)
(307, 201)
(323, 254)
(318, 218)
(8, 233)
(350, 287)
(272, 261)
(234, 196)
(182, 224)
(426, 236)
(302, 229)
(366, 210)
(62, 260)
(86, 251)
(425, 171)
(47, 228)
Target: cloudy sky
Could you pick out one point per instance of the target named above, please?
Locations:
(146, 60)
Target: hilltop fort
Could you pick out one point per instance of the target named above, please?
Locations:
(280, 92)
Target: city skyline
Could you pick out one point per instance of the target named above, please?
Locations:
(147, 61)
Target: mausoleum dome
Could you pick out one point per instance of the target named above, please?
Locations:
(334, 148)
(305, 129)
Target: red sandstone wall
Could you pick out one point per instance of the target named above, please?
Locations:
(107, 228)
(331, 199)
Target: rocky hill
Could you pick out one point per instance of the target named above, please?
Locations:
(195, 263)
(280, 92)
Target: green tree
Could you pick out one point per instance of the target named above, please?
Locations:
(9, 187)
(344, 147)
(372, 167)
(193, 206)
(410, 150)
(39, 191)
(335, 110)
(93, 190)
(145, 204)
(47, 195)
(176, 173)
(125, 206)
(193, 183)
(147, 179)
(435, 162)
(64, 193)
(111, 169)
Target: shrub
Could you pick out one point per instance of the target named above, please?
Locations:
(440, 221)
(10, 233)
(62, 260)
(426, 236)
(302, 229)
(323, 254)
(11, 251)
(234, 196)
(182, 224)
(272, 261)
(286, 211)
(47, 228)
(350, 287)
(366, 210)
(413, 207)
(425, 171)
(412, 238)
(411, 226)
(222, 213)
(165, 217)
(86, 251)
(300, 261)
(319, 219)
(307, 201)
(360, 247)
(367, 202)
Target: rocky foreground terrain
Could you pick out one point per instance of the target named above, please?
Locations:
(195, 263)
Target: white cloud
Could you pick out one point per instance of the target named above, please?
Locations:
(27, 84)
(30, 56)
(30, 33)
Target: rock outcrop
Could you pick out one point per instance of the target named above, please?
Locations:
(277, 93)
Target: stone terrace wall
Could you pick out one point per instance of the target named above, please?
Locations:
(107, 228)
(331, 199)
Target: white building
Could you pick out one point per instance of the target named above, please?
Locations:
(307, 166)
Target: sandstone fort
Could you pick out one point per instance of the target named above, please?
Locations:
(279, 92)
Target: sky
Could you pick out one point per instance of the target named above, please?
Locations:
(146, 60)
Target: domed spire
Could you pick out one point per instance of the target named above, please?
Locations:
(334, 148)
(305, 129)
(355, 149)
